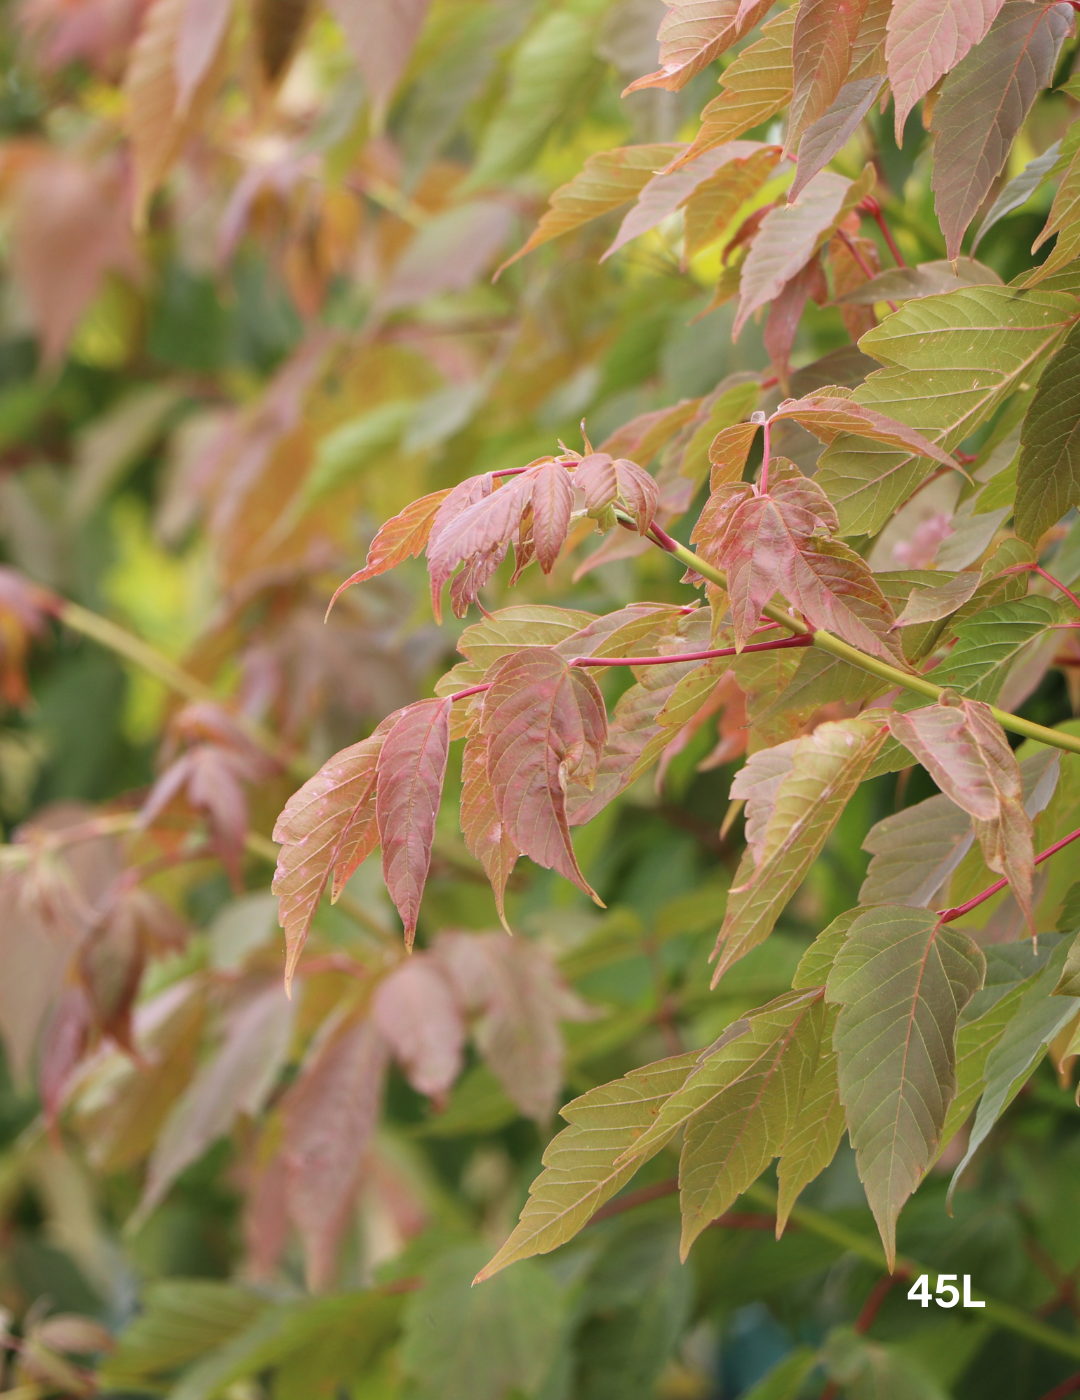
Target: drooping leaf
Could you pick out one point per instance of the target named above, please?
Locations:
(418, 1016)
(827, 417)
(608, 180)
(826, 768)
(669, 190)
(939, 600)
(1037, 1019)
(1018, 191)
(974, 346)
(402, 537)
(514, 987)
(821, 48)
(983, 104)
(757, 84)
(929, 279)
(544, 723)
(926, 40)
(481, 825)
(409, 777)
(914, 852)
(327, 827)
(828, 134)
(329, 1116)
(1048, 472)
(158, 123)
(965, 751)
(380, 35)
(901, 980)
(465, 1343)
(816, 1130)
(731, 1138)
(692, 34)
(236, 1080)
(579, 1164)
(716, 201)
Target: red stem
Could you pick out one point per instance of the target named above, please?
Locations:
(1038, 569)
(1069, 1386)
(873, 208)
(730, 1220)
(472, 690)
(946, 916)
(853, 250)
(662, 538)
(805, 639)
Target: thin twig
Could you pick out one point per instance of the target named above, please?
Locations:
(873, 208)
(863, 264)
(946, 916)
(1069, 1386)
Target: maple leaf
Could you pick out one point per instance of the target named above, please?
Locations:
(514, 989)
(606, 481)
(327, 827)
(926, 40)
(329, 1116)
(402, 537)
(409, 776)
(417, 1013)
(825, 31)
(481, 825)
(544, 723)
(965, 751)
(692, 34)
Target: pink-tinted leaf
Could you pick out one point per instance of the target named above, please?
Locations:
(828, 417)
(402, 537)
(983, 105)
(520, 999)
(788, 238)
(410, 772)
(381, 35)
(669, 190)
(66, 1037)
(417, 1014)
(552, 502)
(485, 525)
(728, 453)
(965, 751)
(235, 1080)
(202, 29)
(595, 478)
(825, 31)
(328, 826)
(329, 1116)
(927, 39)
(693, 33)
(544, 723)
(481, 825)
(609, 178)
(785, 313)
(644, 436)
(828, 135)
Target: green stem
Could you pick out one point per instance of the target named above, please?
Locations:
(892, 675)
(1003, 1314)
(124, 643)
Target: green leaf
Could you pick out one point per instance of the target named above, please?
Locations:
(1048, 472)
(320, 1342)
(827, 766)
(182, 1320)
(1038, 1018)
(1018, 191)
(348, 449)
(549, 64)
(901, 980)
(580, 1163)
(523, 625)
(869, 1371)
(949, 362)
(466, 1343)
(785, 1380)
(750, 1093)
(816, 1132)
(729, 408)
(478, 1104)
(983, 104)
(914, 852)
(609, 179)
(816, 963)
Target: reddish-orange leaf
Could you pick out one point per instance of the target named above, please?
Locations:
(486, 523)
(544, 723)
(639, 492)
(827, 417)
(595, 477)
(411, 768)
(329, 825)
(330, 1113)
(402, 537)
(729, 451)
(481, 825)
(965, 751)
